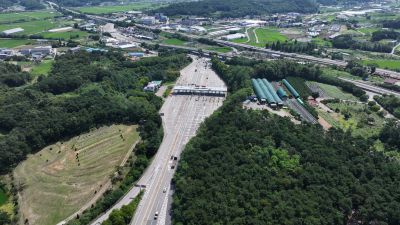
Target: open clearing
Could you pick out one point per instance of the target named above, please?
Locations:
(174, 41)
(55, 183)
(31, 27)
(119, 8)
(43, 68)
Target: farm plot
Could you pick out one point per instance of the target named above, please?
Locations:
(27, 16)
(356, 118)
(330, 91)
(31, 27)
(62, 178)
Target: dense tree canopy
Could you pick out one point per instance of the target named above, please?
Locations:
(82, 91)
(250, 167)
(238, 8)
(12, 75)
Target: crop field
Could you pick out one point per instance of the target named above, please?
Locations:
(63, 177)
(12, 43)
(26, 16)
(174, 41)
(31, 27)
(334, 92)
(300, 85)
(119, 8)
(384, 63)
(269, 35)
(75, 34)
(358, 121)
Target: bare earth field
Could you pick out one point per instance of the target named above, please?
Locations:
(61, 178)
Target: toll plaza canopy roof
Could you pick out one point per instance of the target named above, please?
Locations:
(200, 90)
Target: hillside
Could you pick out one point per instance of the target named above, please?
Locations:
(238, 8)
(251, 167)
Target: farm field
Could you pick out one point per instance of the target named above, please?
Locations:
(31, 27)
(384, 63)
(174, 41)
(12, 43)
(119, 8)
(336, 73)
(358, 119)
(27, 16)
(65, 35)
(334, 92)
(63, 177)
(300, 85)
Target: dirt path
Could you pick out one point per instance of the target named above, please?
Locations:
(255, 35)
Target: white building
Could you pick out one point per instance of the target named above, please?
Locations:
(148, 20)
(233, 36)
(12, 31)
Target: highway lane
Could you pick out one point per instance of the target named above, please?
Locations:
(183, 114)
(372, 88)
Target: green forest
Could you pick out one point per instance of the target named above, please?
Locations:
(82, 91)
(238, 8)
(252, 167)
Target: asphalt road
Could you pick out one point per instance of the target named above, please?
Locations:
(372, 88)
(183, 114)
(182, 117)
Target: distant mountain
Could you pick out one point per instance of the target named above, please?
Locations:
(239, 8)
(28, 4)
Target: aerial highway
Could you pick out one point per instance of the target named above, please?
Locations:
(372, 88)
(182, 115)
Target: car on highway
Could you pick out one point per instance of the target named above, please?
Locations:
(156, 215)
(165, 190)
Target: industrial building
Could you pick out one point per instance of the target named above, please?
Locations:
(266, 93)
(12, 31)
(290, 88)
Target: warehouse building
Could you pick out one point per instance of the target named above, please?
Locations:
(153, 86)
(12, 31)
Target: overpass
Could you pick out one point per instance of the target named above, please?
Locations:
(196, 90)
(371, 88)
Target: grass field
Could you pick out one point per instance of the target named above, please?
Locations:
(384, 63)
(27, 16)
(43, 68)
(12, 43)
(119, 8)
(220, 49)
(264, 35)
(56, 183)
(174, 41)
(335, 92)
(31, 27)
(336, 73)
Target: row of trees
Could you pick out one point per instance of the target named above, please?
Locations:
(298, 47)
(390, 102)
(385, 34)
(238, 8)
(347, 42)
(251, 167)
